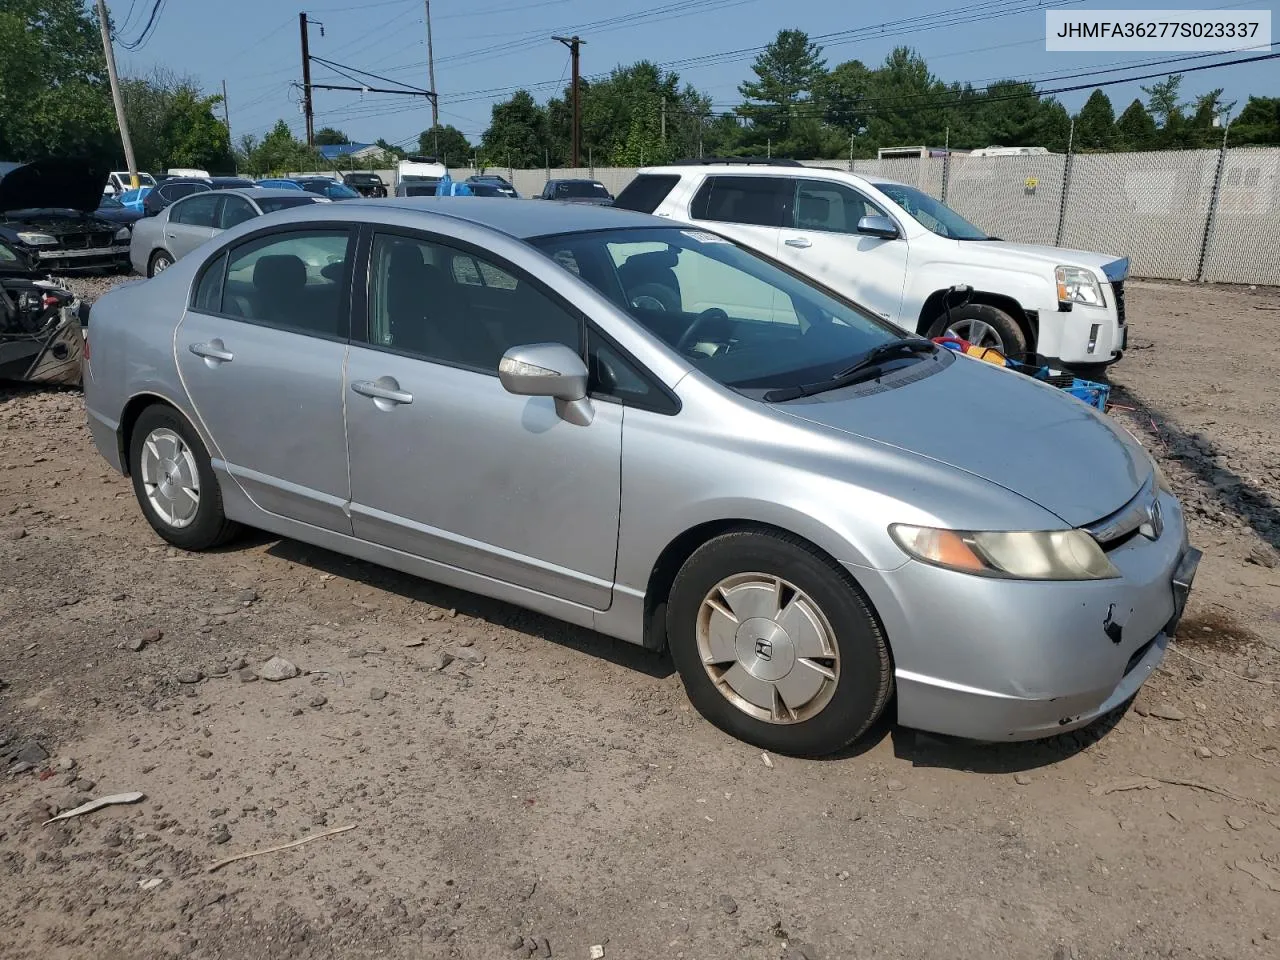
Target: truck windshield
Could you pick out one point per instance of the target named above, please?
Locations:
(933, 215)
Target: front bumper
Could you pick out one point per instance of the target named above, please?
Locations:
(1015, 660)
(95, 258)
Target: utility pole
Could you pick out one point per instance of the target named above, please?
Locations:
(573, 43)
(431, 78)
(130, 162)
(306, 81)
(664, 120)
(226, 109)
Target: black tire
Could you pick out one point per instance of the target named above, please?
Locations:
(160, 256)
(865, 678)
(1091, 371)
(1013, 338)
(210, 526)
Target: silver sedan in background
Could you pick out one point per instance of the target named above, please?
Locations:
(182, 226)
(656, 433)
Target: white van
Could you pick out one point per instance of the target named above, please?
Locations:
(118, 182)
(187, 172)
(418, 176)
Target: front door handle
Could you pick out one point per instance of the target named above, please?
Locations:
(385, 392)
(214, 352)
(172, 236)
(800, 243)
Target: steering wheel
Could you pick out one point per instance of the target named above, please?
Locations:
(705, 319)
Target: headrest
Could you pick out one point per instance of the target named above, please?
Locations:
(658, 258)
(280, 273)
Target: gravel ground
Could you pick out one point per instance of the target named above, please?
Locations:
(518, 787)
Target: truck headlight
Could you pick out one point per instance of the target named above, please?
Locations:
(38, 239)
(1008, 554)
(1077, 285)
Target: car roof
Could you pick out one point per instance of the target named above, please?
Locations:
(256, 193)
(574, 180)
(520, 218)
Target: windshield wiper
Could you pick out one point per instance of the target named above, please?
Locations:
(869, 365)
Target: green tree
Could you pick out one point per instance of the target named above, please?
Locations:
(390, 151)
(517, 134)
(54, 98)
(843, 93)
(328, 136)
(1259, 122)
(907, 104)
(787, 73)
(194, 136)
(280, 152)
(1095, 123)
(1135, 130)
(447, 143)
(1162, 100)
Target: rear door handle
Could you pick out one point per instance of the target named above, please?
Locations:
(214, 352)
(385, 392)
(799, 242)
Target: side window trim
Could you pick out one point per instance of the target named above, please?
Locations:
(363, 334)
(344, 296)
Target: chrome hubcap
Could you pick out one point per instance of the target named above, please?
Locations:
(170, 478)
(768, 648)
(977, 332)
(161, 265)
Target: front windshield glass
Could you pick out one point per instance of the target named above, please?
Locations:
(933, 216)
(742, 320)
(579, 188)
(340, 191)
(272, 204)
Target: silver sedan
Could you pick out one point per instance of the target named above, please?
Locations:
(658, 434)
(182, 226)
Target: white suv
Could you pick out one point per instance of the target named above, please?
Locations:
(897, 251)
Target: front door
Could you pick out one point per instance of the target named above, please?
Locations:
(445, 464)
(822, 241)
(190, 223)
(261, 354)
(749, 209)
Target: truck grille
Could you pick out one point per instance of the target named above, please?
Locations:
(1117, 288)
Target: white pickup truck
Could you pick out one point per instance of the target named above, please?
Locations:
(897, 251)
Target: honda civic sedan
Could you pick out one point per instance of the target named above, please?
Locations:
(656, 433)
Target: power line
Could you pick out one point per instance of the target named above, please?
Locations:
(146, 30)
(366, 73)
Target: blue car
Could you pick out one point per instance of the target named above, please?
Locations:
(280, 183)
(132, 199)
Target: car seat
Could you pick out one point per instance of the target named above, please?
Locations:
(652, 275)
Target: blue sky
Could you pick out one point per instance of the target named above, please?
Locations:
(254, 46)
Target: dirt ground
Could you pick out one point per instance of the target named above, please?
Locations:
(553, 785)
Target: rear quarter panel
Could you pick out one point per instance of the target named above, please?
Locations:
(130, 337)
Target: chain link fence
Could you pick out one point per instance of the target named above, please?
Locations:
(1211, 215)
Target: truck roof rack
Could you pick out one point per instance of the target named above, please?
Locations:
(738, 161)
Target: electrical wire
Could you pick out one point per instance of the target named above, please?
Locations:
(147, 30)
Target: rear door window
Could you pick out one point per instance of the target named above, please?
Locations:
(196, 211)
(757, 201)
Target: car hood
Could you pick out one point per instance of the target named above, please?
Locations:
(70, 184)
(1111, 267)
(1028, 437)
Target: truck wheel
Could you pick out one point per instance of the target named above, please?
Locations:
(983, 326)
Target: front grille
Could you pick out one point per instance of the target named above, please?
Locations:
(84, 241)
(1117, 289)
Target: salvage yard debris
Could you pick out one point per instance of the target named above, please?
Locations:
(113, 800)
(284, 846)
(1151, 782)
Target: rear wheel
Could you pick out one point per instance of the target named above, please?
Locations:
(776, 645)
(160, 262)
(174, 482)
(983, 326)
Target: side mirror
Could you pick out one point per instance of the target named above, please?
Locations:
(881, 227)
(549, 370)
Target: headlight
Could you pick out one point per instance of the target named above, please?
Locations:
(1162, 482)
(1077, 285)
(124, 233)
(38, 239)
(1011, 555)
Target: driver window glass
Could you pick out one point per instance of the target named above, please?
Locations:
(196, 212)
(234, 211)
(832, 207)
(656, 277)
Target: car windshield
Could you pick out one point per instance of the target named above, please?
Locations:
(272, 204)
(934, 216)
(110, 203)
(743, 320)
(578, 188)
(339, 191)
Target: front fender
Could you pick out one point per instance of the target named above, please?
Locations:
(1033, 289)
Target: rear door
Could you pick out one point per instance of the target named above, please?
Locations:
(261, 351)
(190, 223)
(750, 209)
(822, 241)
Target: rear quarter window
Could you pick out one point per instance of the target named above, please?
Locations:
(646, 192)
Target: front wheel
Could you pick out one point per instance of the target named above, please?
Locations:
(776, 645)
(983, 326)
